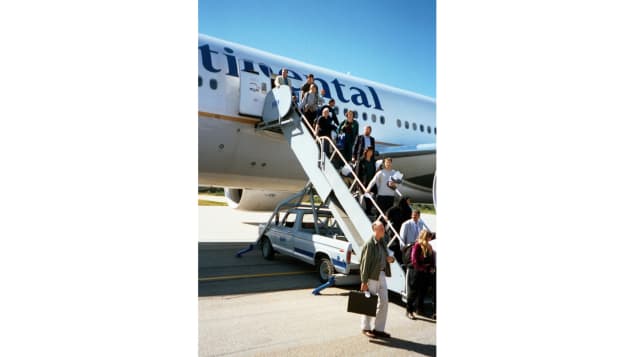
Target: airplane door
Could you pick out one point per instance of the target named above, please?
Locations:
(253, 89)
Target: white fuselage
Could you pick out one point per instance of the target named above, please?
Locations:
(233, 154)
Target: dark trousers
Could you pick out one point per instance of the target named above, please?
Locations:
(311, 117)
(417, 285)
(413, 287)
(396, 248)
(347, 151)
(384, 202)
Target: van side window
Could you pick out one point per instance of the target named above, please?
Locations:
(289, 220)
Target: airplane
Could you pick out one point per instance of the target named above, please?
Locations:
(257, 167)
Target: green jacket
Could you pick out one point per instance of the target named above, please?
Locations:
(370, 260)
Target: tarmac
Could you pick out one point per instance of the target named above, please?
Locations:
(250, 306)
(296, 323)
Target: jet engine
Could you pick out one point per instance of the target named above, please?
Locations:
(254, 200)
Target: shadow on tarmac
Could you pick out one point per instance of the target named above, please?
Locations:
(427, 350)
(393, 297)
(220, 272)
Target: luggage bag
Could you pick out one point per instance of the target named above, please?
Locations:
(358, 303)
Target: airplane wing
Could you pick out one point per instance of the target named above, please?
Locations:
(403, 151)
(418, 165)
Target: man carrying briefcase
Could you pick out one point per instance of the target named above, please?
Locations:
(375, 266)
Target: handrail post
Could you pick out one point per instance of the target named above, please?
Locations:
(322, 155)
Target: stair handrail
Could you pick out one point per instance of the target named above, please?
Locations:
(319, 140)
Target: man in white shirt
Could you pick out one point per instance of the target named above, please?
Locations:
(422, 225)
(410, 229)
(386, 189)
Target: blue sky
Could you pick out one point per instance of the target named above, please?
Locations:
(390, 42)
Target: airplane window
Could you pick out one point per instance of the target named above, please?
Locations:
(434, 130)
(422, 128)
(336, 110)
(398, 123)
(356, 114)
(374, 118)
(213, 84)
(382, 119)
(429, 130)
(414, 126)
(406, 124)
(365, 116)
(200, 81)
(345, 110)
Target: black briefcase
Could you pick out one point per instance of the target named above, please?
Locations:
(360, 304)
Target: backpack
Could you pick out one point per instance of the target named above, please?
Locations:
(341, 140)
(407, 254)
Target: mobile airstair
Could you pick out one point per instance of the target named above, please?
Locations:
(280, 114)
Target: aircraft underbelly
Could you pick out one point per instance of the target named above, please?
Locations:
(233, 154)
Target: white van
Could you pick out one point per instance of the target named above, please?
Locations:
(310, 236)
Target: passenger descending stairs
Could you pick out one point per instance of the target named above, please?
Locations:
(280, 113)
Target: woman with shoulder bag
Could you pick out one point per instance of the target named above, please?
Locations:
(419, 273)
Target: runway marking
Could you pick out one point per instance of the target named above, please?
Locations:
(264, 275)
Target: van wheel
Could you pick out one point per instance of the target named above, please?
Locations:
(325, 269)
(267, 249)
